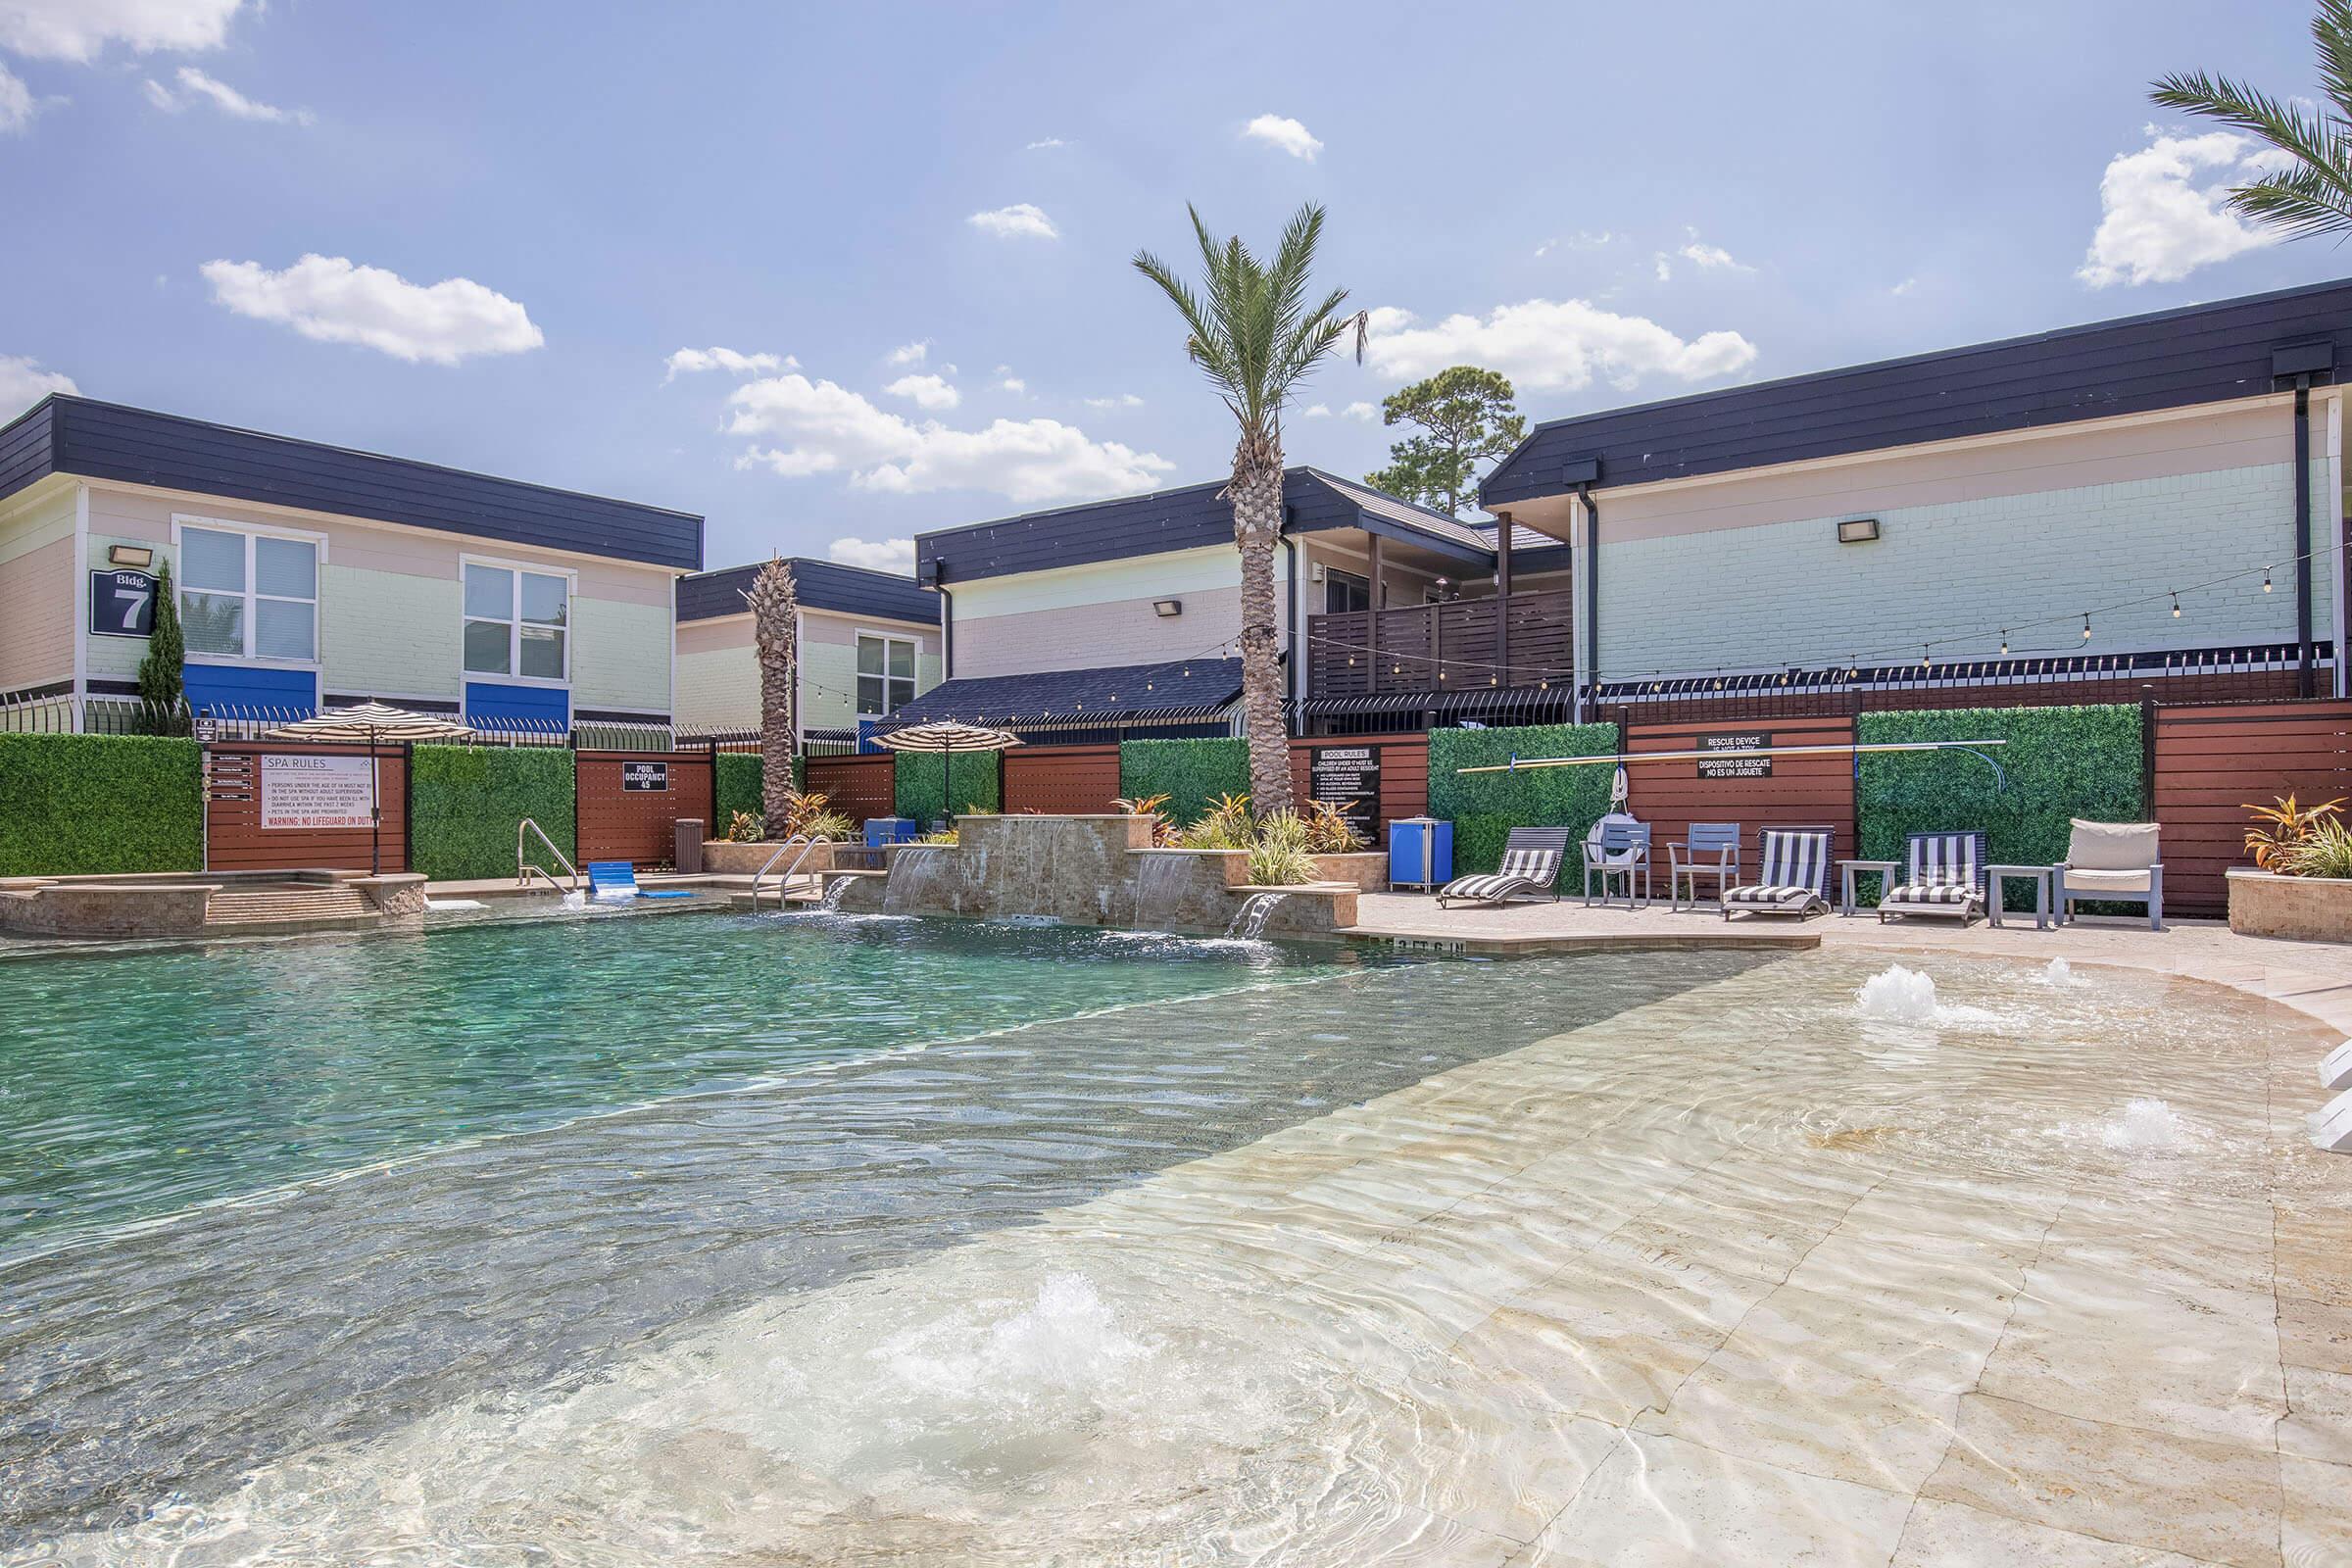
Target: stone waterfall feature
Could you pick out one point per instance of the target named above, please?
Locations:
(1087, 871)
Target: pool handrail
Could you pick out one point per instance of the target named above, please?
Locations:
(784, 882)
(524, 872)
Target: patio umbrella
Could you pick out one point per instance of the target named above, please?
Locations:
(369, 724)
(946, 738)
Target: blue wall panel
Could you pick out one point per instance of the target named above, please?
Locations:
(230, 691)
(541, 706)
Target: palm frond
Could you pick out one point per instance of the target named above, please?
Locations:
(2313, 195)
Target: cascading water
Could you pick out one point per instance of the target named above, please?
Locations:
(1158, 878)
(831, 900)
(913, 869)
(1250, 924)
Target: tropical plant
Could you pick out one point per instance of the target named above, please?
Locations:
(1255, 332)
(746, 827)
(944, 835)
(1328, 830)
(775, 639)
(1466, 417)
(161, 698)
(2312, 194)
(1225, 825)
(2326, 850)
(1279, 856)
(1163, 831)
(2281, 829)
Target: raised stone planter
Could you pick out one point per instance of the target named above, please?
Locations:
(2307, 909)
(105, 909)
(1365, 870)
(728, 857)
(396, 895)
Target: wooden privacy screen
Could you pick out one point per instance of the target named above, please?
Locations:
(858, 787)
(2213, 762)
(1784, 791)
(628, 804)
(319, 784)
(1061, 780)
(1403, 771)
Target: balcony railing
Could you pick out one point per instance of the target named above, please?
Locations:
(1442, 647)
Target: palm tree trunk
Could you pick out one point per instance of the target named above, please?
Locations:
(1256, 528)
(775, 635)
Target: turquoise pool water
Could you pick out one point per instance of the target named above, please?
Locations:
(263, 1197)
(141, 1083)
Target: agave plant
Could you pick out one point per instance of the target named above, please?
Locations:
(2281, 829)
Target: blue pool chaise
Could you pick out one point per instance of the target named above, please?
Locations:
(618, 880)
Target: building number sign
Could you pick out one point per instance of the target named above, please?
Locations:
(123, 602)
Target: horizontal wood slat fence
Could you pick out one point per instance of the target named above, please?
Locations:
(1061, 780)
(858, 787)
(234, 839)
(1796, 792)
(627, 805)
(2212, 763)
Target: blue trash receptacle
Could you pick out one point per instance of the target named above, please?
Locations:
(1420, 852)
(882, 831)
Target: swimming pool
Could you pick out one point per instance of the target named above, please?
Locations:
(1235, 1255)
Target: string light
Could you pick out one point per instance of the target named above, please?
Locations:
(2176, 607)
(2004, 639)
(2087, 625)
(2266, 579)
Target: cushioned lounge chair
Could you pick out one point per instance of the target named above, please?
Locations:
(1943, 873)
(2115, 861)
(1531, 865)
(1792, 876)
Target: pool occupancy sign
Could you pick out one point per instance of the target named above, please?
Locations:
(648, 776)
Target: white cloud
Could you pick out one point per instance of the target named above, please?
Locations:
(1548, 345)
(822, 427)
(914, 353)
(925, 391)
(1011, 383)
(1665, 269)
(16, 107)
(877, 554)
(195, 84)
(1279, 130)
(1361, 410)
(333, 300)
(77, 29)
(1712, 257)
(1043, 142)
(2157, 224)
(1021, 221)
(1907, 286)
(1317, 410)
(1126, 400)
(686, 362)
(1584, 240)
(23, 383)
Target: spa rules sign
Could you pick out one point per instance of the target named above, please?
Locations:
(317, 792)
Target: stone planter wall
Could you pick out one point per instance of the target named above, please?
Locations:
(728, 857)
(116, 910)
(1365, 870)
(2307, 909)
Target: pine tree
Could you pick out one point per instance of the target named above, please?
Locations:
(161, 693)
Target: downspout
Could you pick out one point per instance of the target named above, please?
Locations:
(1587, 697)
(946, 634)
(2303, 675)
(1290, 666)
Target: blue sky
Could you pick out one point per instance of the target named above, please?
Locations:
(908, 226)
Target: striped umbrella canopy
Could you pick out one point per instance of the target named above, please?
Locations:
(374, 721)
(946, 737)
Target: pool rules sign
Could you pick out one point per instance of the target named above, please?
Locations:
(317, 792)
(1349, 777)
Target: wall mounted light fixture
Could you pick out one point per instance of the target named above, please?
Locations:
(129, 555)
(1167, 607)
(1857, 530)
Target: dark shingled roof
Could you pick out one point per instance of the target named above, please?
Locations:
(92, 440)
(1169, 692)
(2141, 364)
(820, 585)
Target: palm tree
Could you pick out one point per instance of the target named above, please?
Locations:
(775, 637)
(2313, 195)
(1253, 332)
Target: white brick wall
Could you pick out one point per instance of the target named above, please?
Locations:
(1789, 593)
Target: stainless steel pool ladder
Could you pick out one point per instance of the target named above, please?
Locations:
(524, 872)
(784, 882)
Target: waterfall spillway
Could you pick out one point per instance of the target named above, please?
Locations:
(831, 901)
(1249, 921)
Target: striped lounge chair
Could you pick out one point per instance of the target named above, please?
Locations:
(1530, 863)
(1943, 873)
(1794, 878)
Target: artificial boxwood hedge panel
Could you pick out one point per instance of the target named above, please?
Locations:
(741, 785)
(464, 803)
(972, 777)
(1190, 773)
(93, 805)
(2060, 762)
(1484, 807)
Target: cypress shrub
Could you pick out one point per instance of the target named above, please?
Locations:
(1484, 807)
(2060, 762)
(94, 804)
(972, 784)
(1190, 773)
(466, 801)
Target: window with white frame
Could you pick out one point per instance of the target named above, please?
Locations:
(245, 595)
(885, 673)
(517, 622)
